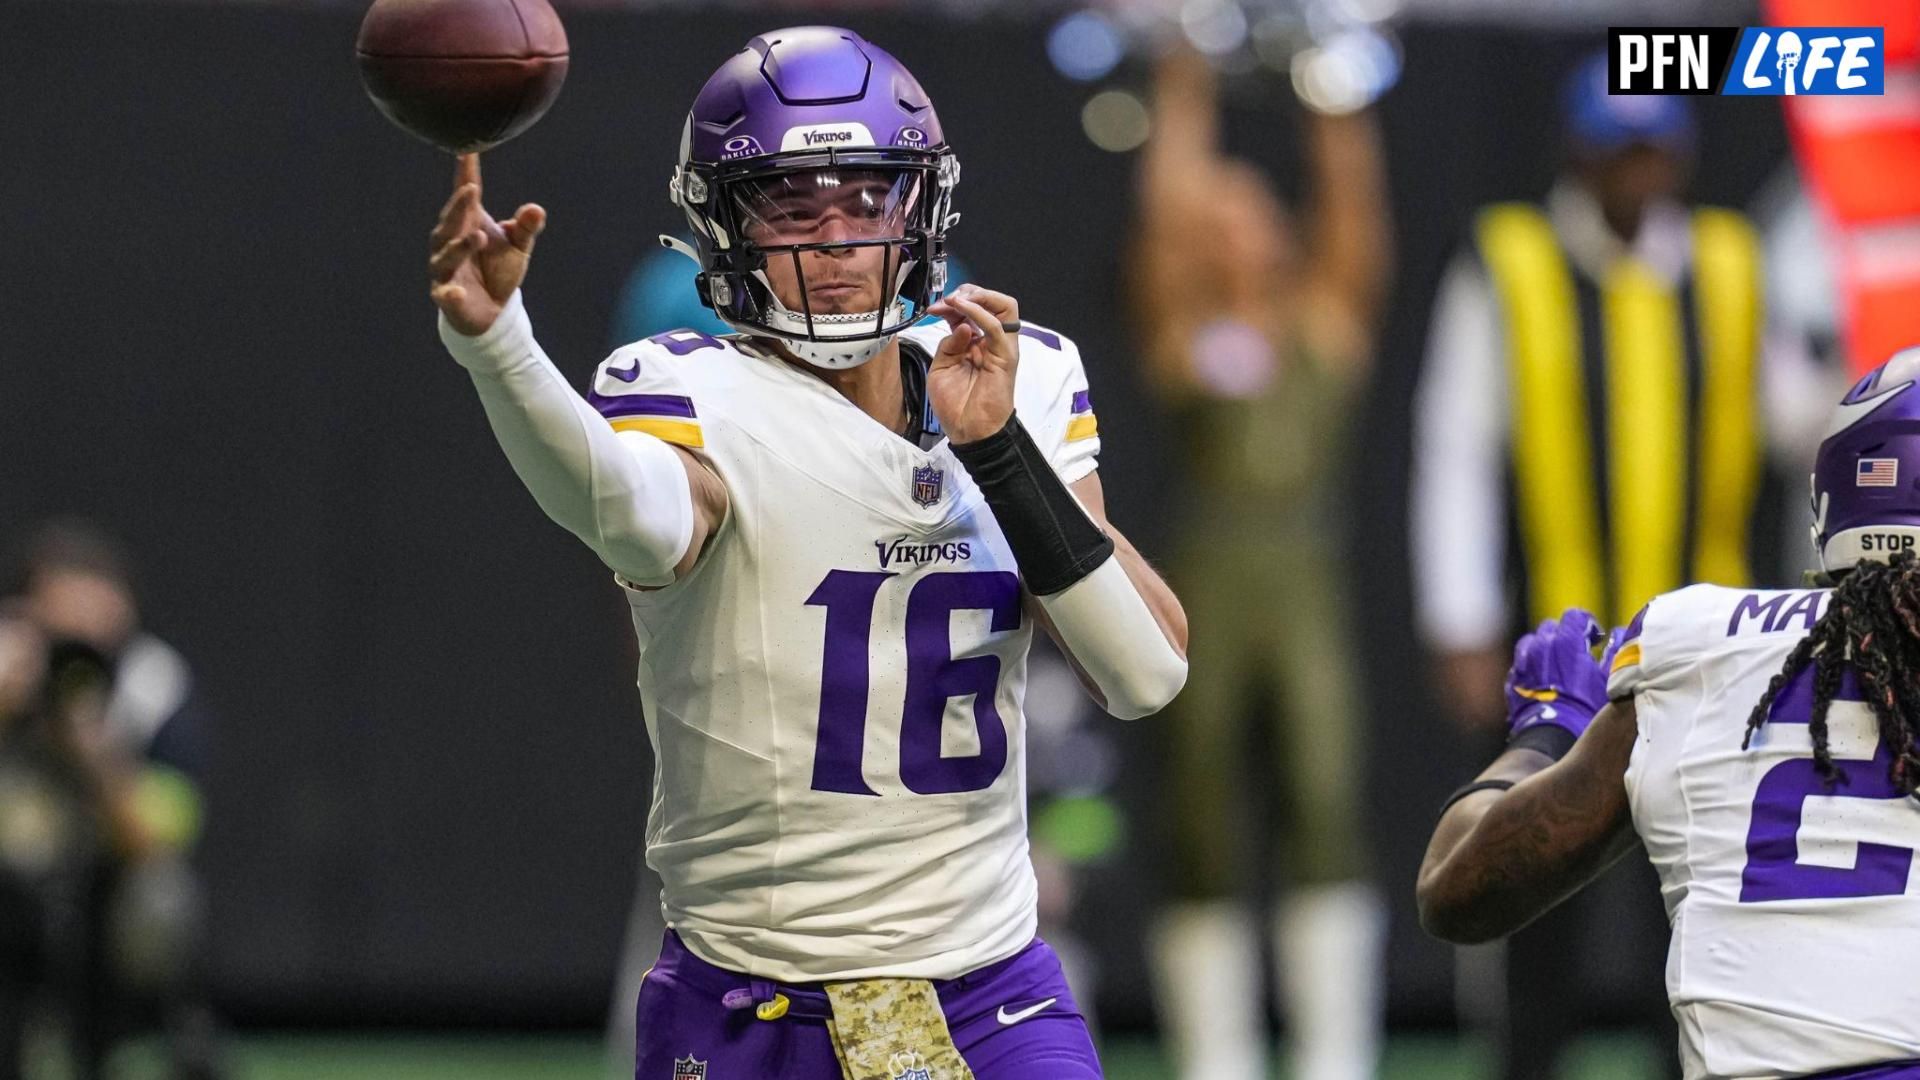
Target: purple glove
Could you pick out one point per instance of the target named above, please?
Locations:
(1554, 679)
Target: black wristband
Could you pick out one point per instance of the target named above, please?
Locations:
(1477, 785)
(1053, 539)
(1549, 739)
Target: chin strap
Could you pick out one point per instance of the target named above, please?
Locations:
(825, 350)
(837, 355)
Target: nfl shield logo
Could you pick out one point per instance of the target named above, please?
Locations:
(926, 484)
(908, 1065)
(688, 1069)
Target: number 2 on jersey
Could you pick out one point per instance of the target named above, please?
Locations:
(1774, 870)
(934, 677)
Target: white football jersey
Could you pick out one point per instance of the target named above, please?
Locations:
(1795, 917)
(834, 691)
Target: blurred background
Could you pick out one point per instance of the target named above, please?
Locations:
(332, 764)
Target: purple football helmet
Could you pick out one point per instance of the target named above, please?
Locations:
(1866, 476)
(812, 139)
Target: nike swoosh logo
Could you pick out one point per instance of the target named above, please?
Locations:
(1015, 1017)
(1850, 412)
(625, 374)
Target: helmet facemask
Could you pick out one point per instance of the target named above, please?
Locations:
(830, 253)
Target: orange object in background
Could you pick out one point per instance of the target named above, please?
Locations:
(1861, 158)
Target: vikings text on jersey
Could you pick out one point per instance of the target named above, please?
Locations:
(834, 692)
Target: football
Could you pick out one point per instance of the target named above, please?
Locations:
(464, 75)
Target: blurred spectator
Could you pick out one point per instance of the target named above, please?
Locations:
(119, 734)
(1258, 341)
(66, 823)
(77, 584)
(1599, 383)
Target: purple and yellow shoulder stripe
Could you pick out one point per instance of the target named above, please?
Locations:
(1083, 425)
(1629, 652)
(667, 417)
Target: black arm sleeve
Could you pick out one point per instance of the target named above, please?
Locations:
(1053, 539)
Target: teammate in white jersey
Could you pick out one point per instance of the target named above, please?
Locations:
(1762, 747)
(836, 532)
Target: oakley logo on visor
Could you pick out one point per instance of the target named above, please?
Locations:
(822, 135)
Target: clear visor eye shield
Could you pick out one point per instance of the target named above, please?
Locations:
(828, 247)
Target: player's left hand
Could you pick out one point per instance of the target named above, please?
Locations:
(1555, 678)
(970, 382)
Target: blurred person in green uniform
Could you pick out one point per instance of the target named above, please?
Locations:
(1257, 335)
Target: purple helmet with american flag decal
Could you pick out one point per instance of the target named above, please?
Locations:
(805, 126)
(1866, 476)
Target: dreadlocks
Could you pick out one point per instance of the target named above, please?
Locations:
(1872, 624)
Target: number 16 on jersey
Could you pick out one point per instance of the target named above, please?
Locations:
(934, 677)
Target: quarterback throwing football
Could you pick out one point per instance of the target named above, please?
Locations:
(836, 531)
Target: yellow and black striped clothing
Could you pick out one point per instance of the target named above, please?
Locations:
(1634, 448)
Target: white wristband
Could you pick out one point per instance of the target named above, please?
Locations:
(1108, 627)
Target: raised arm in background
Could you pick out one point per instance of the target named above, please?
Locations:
(1172, 279)
(1213, 239)
(1349, 254)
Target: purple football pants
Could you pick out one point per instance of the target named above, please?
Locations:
(1892, 1070)
(1014, 1020)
